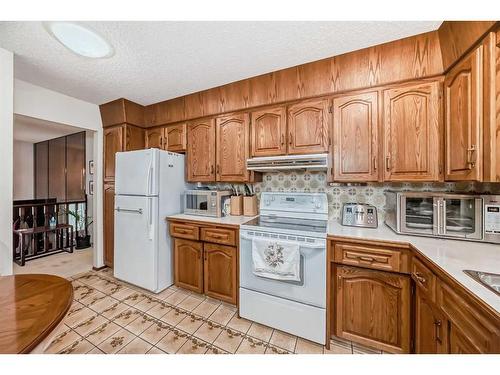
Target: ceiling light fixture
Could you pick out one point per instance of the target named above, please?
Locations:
(80, 39)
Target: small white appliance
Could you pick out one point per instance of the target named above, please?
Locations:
(296, 307)
(205, 202)
(148, 188)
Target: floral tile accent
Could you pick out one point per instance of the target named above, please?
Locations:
(190, 324)
(222, 315)
(172, 342)
(260, 332)
(193, 346)
(155, 333)
(81, 346)
(283, 340)
(229, 340)
(102, 332)
(251, 346)
(116, 341)
(62, 340)
(208, 332)
(239, 324)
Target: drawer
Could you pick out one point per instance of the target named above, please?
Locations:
(219, 235)
(368, 256)
(188, 231)
(424, 278)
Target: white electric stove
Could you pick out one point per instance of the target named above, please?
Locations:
(296, 307)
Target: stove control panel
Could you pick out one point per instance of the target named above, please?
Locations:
(294, 203)
(359, 215)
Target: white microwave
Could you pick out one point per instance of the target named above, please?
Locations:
(205, 202)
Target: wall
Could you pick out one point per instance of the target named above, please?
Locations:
(39, 102)
(6, 157)
(23, 170)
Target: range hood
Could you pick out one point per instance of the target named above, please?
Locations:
(317, 162)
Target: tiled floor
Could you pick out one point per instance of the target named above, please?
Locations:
(109, 316)
(62, 264)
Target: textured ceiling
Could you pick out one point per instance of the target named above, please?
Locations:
(32, 130)
(155, 61)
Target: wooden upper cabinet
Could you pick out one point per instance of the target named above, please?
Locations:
(412, 133)
(463, 119)
(220, 272)
(113, 143)
(308, 126)
(373, 308)
(232, 147)
(175, 138)
(109, 224)
(134, 138)
(355, 137)
(154, 138)
(75, 160)
(201, 150)
(57, 169)
(268, 132)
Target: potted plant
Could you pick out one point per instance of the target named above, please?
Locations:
(82, 223)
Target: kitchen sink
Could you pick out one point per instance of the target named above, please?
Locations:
(489, 280)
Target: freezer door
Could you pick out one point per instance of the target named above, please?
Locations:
(136, 241)
(137, 172)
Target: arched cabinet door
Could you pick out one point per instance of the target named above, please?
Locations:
(201, 150)
(373, 308)
(355, 137)
(412, 133)
(188, 264)
(220, 272)
(463, 119)
(308, 125)
(175, 138)
(232, 148)
(268, 132)
(154, 138)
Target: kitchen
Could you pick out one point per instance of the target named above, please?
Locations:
(350, 204)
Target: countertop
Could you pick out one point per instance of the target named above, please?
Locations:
(225, 220)
(452, 256)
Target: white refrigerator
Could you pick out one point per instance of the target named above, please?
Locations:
(148, 188)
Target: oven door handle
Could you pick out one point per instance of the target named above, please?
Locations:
(301, 244)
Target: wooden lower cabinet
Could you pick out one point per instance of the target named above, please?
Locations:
(220, 270)
(109, 224)
(372, 308)
(188, 264)
(430, 326)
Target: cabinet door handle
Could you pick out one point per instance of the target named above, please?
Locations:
(212, 169)
(218, 168)
(387, 163)
(471, 156)
(339, 282)
(290, 140)
(282, 139)
(437, 328)
(419, 277)
(375, 166)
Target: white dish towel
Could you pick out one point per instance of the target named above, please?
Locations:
(273, 259)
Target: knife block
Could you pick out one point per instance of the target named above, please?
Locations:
(237, 205)
(250, 206)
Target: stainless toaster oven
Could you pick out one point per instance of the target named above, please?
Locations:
(205, 202)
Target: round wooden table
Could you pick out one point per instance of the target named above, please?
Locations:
(31, 306)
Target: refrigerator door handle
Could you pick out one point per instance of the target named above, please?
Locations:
(150, 218)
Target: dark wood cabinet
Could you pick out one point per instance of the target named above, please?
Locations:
(308, 127)
(220, 269)
(355, 137)
(372, 308)
(75, 161)
(109, 223)
(268, 132)
(412, 133)
(134, 138)
(41, 167)
(175, 138)
(113, 143)
(201, 151)
(464, 118)
(154, 138)
(188, 264)
(430, 326)
(232, 134)
(57, 169)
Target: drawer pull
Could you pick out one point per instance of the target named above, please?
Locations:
(215, 235)
(182, 231)
(367, 259)
(418, 276)
(339, 282)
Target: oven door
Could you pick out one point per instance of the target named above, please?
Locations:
(418, 214)
(311, 289)
(460, 217)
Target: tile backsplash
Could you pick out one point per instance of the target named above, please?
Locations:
(371, 193)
